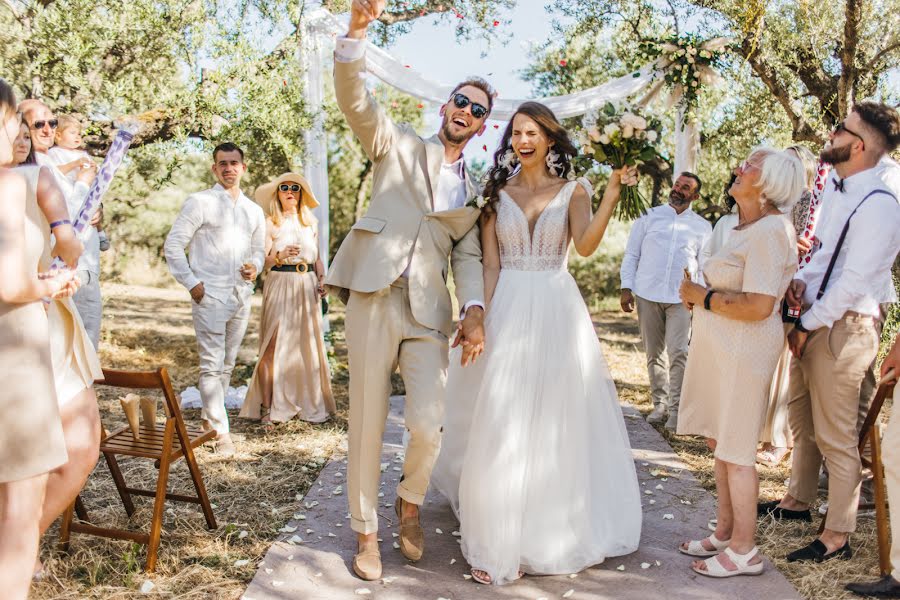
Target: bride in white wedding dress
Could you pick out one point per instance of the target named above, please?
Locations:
(535, 458)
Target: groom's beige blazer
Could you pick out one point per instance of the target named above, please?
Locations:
(391, 322)
(400, 226)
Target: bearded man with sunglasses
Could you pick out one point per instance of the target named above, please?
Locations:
(391, 271)
(42, 125)
(835, 340)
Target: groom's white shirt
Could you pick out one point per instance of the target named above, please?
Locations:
(451, 189)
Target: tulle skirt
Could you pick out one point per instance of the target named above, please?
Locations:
(535, 458)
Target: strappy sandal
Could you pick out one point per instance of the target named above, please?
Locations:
(742, 561)
(772, 457)
(486, 579)
(695, 547)
(265, 418)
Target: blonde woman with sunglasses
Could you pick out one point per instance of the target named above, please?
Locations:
(291, 378)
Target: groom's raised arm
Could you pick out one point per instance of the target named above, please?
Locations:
(366, 118)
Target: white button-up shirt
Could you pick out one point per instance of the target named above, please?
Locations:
(861, 278)
(661, 245)
(75, 193)
(220, 234)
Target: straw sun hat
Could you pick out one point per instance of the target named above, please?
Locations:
(268, 192)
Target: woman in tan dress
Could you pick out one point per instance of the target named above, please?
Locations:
(31, 435)
(74, 359)
(292, 376)
(736, 341)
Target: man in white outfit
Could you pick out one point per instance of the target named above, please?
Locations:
(223, 232)
(663, 243)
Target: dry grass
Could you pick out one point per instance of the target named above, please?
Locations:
(258, 492)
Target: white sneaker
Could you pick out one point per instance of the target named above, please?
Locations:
(658, 415)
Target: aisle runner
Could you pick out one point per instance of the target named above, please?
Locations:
(311, 561)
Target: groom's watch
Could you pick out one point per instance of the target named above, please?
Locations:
(798, 325)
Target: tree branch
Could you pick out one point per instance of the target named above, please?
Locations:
(157, 125)
(802, 130)
(893, 45)
(403, 16)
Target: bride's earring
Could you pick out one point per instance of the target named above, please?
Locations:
(509, 161)
(553, 163)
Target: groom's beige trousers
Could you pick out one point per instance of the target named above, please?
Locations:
(382, 334)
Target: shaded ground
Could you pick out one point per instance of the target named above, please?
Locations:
(312, 560)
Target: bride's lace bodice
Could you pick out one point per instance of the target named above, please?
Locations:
(547, 249)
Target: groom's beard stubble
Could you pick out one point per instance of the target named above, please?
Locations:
(451, 137)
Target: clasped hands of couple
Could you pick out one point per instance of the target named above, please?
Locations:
(470, 334)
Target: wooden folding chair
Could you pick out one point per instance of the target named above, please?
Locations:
(163, 445)
(870, 434)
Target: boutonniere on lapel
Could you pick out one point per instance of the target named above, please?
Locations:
(478, 202)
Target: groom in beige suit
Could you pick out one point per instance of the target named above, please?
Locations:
(391, 271)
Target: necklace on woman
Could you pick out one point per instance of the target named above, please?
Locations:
(746, 224)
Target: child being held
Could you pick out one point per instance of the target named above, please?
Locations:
(67, 154)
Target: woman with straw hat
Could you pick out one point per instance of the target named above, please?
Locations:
(291, 377)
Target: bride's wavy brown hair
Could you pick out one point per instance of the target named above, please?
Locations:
(498, 175)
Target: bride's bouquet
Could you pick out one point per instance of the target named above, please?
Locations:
(618, 137)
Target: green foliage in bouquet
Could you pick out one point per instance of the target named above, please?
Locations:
(689, 63)
(619, 137)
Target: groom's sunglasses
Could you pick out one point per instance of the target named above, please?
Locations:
(285, 187)
(462, 101)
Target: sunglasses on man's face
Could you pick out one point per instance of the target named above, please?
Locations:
(285, 187)
(53, 123)
(841, 127)
(462, 101)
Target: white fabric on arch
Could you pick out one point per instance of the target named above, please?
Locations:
(392, 72)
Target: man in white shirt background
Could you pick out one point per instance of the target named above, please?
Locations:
(223, 232)
(835, 340)
(42, 124)
(662, 244)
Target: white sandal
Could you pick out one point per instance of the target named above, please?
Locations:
(695, 547)
(742, 561)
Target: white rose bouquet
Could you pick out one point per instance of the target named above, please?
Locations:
(621, 137)
(689, 63)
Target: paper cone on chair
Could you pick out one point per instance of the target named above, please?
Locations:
(148, 411)
(131, 407)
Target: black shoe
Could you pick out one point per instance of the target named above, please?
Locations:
(817, 552)
(886, 587)
(771, 508)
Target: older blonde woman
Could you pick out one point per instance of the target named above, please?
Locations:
(291, 377)
(736, 343)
